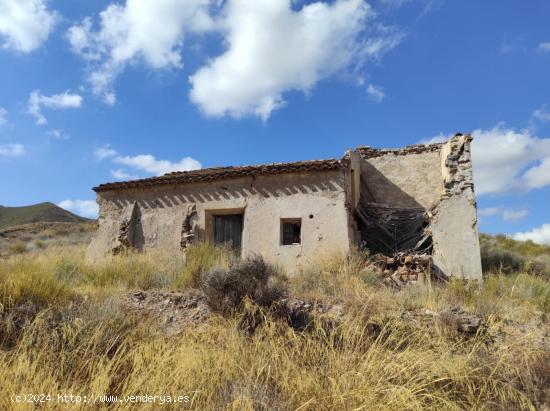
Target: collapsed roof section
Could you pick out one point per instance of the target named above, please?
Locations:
(418, 200)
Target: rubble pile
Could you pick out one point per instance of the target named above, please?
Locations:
(174, 311)
(404, 269)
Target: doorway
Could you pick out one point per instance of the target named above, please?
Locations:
(228, 230)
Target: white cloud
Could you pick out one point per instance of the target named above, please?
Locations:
(544, 47)
(58, 134)
(538, 176)
(149, 164)
(505, 159)
(144, 162)
(105, 152)
(151, 31)
(539, 235)
(54, 102)
(542, 114)
(25, 24)
(120, 174)
(505, 214)
(376, 93)
(3, 115)
(514, 214)
(440, 138)
(85, 208)
(273, 49)
(12, 150)
(488, 212)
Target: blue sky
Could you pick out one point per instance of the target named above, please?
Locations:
(98, 91)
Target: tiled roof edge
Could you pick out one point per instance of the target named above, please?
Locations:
(222, 173)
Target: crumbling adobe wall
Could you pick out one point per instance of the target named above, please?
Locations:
(454, 219)
(171, 216)
(437, 178)
(409, 177)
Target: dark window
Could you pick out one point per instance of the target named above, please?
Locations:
(291, 231)
(228, 230)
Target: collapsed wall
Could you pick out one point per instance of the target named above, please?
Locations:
(420, 201)
(415, 201)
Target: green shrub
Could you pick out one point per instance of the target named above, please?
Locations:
(17, 248)
(501, 254)
(252, 278)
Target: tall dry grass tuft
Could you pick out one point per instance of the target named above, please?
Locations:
(80, 340)
(200, 258)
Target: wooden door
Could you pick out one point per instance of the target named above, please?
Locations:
(228, 230)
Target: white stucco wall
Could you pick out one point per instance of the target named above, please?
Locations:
(436, 175)
(455, 237)
(264, 201)
(454, 228)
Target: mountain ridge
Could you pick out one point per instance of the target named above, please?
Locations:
(37, 213)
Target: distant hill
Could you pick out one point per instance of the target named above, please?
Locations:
(37, 213)
(500, 253)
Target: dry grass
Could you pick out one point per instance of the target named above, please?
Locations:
(82, 342)
(38, 236)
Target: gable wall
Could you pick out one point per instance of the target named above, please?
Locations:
(402, 180)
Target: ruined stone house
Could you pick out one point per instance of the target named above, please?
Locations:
(415, 200)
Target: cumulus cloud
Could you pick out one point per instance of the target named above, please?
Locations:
(56, 101)
(3, 115)
(84, 208)
(544, 47)
(144, 162)
(538, 176)
(12, 150)
(151, 31)
(505, 159)
(376, 93)
(270, 47)
(25, 24)
(505, 214)
(539, 235)
(149, 164)
(104, 152)
(273, 49)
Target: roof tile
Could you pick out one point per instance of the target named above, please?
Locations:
(221, 173)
